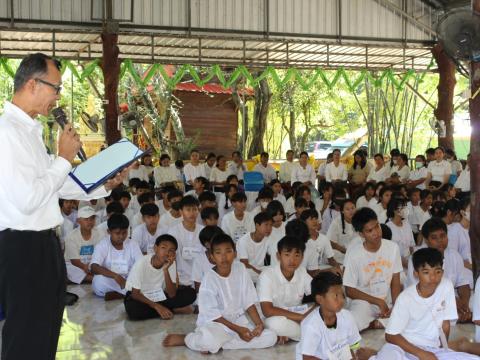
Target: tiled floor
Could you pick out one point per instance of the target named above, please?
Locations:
(94, 329)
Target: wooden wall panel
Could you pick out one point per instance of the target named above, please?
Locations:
(214, 116)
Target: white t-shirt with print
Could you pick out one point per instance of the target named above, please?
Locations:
(372, 272)
(76, 247)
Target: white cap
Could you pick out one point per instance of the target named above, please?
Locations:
(85, 212)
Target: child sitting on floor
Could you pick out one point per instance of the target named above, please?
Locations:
(113, 258)
(227, 295)
(372, 272)
(329, 332)
(203, 262)
(281, 289)
(146, 233)
(79, 246)
(420, 322)
(252, 247)
(152, 285)
(187, 232)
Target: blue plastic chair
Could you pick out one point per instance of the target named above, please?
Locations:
(253, 180)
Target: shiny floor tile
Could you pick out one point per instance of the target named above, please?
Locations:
(95, 330)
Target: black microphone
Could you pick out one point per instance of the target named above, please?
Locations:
(61, 119)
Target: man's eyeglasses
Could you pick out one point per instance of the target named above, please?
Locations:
(57, 88)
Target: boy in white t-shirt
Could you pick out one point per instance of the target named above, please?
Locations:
(203, 262)
(239, 221)
(318, 254)
(329, 331)
(79, 246)
(434, 232)
(281, 289)
(187, 234)
(209, 216)
(146, 233)
(372, 272)
(112, 260)
(173, 216)
(227, 295)
(420, 322)
(152, 285)
(252, 247)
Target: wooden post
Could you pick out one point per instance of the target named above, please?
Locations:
(475, 161)
(446, 87)
(111, 72)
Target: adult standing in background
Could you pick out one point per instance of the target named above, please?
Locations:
(32, 268)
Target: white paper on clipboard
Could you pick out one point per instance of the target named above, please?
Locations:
(99, 168)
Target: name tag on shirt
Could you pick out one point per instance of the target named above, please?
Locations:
(120, 267)
(379, 287)
(188, 252)
(155, 295)
(343, 353)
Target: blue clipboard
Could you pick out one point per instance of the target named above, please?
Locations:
(99, 168)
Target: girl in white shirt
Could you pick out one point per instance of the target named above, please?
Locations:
(341, 231)
(225, 204)
(219, 174)
(402, 234)
(380, 171)
(439, 171)
(368, 194)
(276, 211)
(380, 207)
(277, 192)
(265, 196)
(325, 200)
(401, 170)
(419, 175)
(458, 234)
(339, 196)
(165, 173)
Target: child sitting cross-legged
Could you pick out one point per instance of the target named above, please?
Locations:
(226, 296)
(281, 289)
(329, 331)
(420, 322)
(113, 258)
(152, 285)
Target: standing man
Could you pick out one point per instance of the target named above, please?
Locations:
(32, 268)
